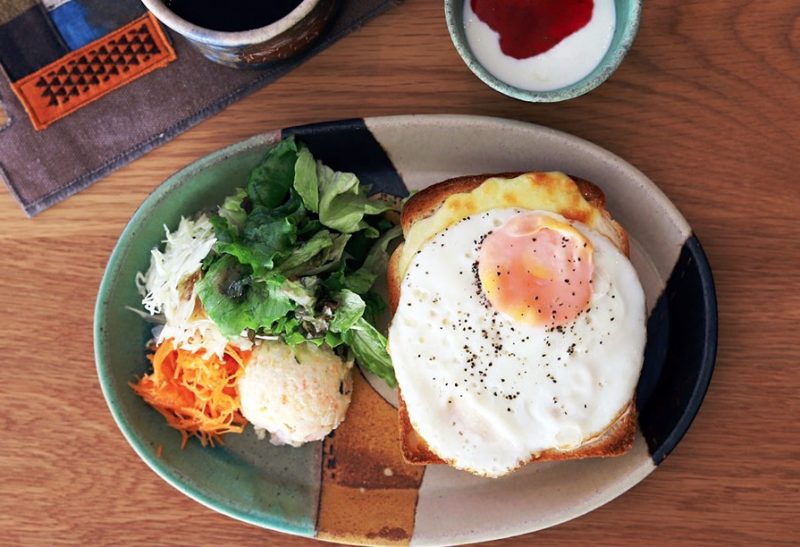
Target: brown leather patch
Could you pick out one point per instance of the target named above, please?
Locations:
(88, 73)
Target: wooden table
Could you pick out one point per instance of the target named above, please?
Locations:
(707, 104)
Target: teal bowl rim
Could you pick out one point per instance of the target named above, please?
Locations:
(178, 179)
(611, 61)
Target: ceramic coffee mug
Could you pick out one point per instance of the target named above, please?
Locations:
(257, 47)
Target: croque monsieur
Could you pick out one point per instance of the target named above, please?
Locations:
(518, 325)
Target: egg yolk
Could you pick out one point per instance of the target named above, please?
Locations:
(537, 270)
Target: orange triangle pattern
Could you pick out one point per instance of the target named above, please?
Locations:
(94, 70)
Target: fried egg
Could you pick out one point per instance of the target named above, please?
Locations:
(518, 330)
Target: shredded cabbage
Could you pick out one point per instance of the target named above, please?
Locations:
(169, 288)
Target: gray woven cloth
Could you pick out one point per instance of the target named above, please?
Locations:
(44, 168)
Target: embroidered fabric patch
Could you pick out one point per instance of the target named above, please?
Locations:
(90, 72)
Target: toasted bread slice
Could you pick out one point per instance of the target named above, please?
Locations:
(616, 439)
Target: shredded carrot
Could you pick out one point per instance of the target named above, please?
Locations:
(197, 395)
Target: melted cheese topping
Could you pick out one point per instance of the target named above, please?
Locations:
(553, 192)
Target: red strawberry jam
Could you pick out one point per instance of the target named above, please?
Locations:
(531, 27)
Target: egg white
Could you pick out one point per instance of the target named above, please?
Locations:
(486, 393)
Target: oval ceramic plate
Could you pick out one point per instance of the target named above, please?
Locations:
(354, 487)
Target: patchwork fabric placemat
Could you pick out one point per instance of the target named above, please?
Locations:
(90, 85)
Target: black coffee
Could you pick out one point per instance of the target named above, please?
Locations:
(232, 15)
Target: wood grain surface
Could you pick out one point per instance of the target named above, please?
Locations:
(707, 104)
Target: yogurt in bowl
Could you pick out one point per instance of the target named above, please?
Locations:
(543, 50)
(540, 46)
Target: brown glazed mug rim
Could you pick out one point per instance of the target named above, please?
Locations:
(224, 38)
